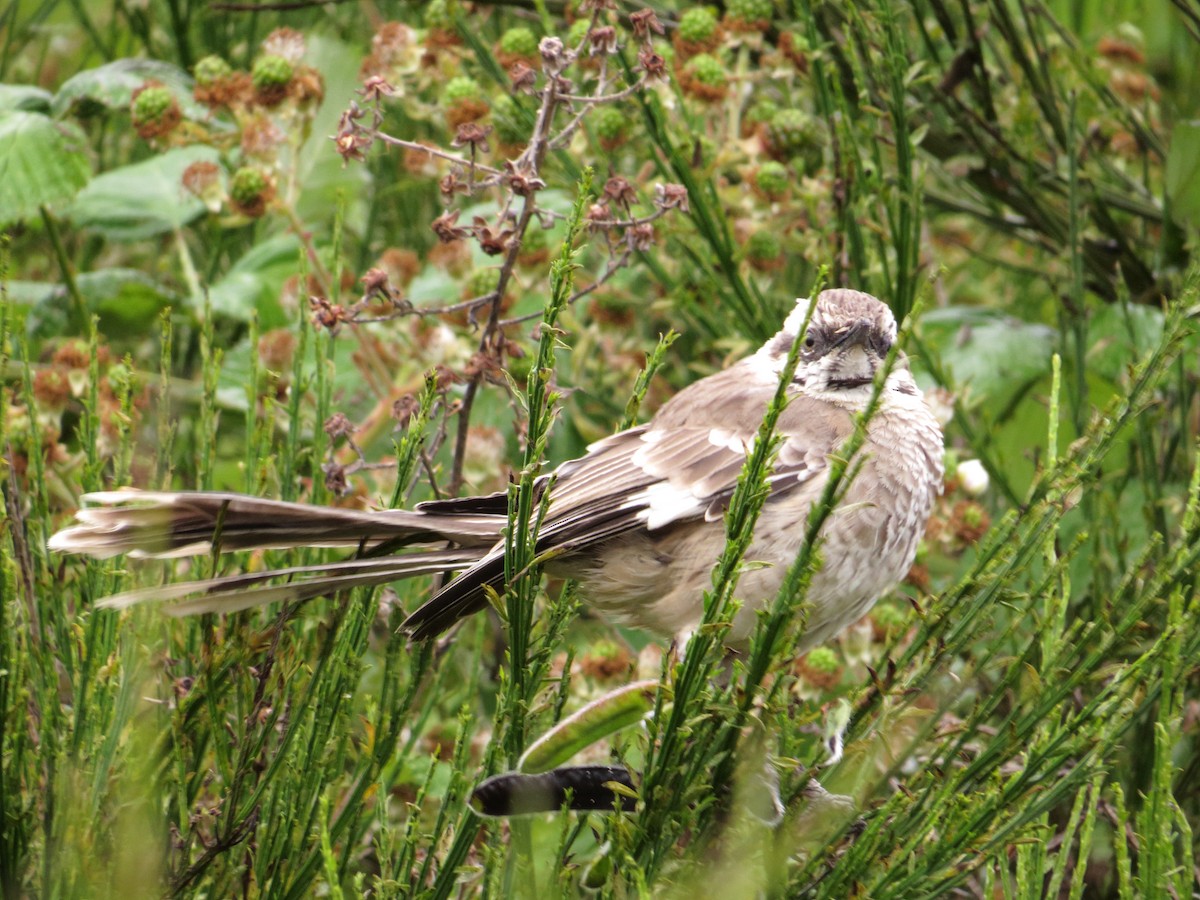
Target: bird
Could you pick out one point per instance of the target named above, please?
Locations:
(637, 520)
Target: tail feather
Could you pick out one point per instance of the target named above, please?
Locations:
(163, 524)
(237, 592)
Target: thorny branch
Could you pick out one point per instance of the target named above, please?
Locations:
(517, 184)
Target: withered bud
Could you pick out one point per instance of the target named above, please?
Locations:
(450, 184)
(671, 196)
(652, 64)
(338, 425)
(640, 236)
(492, 241)
(645, 23)
(375, 282)
(598, 215)
(329, 316)
(618, 190)
(375, 88)
(447, 229)
(523, 76)
(404, 409)
(336, 481)
(474, 135)
(521, 181)
(553, 55)
(603, 40)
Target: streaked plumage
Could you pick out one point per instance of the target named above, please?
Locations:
(637, 519)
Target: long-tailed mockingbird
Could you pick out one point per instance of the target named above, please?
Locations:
(637, 519)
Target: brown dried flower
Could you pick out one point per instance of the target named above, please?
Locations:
(338, 426)
(522, 76)
(603, 40)
(640, 237)
(522, 182)
(447, 229)
(492, 241)
(618, 190)
(652, 64)
(645, 24)
(671, 196)
(375, 88)
(473, 135)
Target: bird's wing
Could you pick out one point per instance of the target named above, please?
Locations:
(681, 467)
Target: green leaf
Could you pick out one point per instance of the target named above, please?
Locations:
(111, 86)
(1121, 337)
(1183, 172)
(324, 177)
(991, 353)
(143, 199)
(126, 301)
(24, 97)
(255, 280)
(42, 163)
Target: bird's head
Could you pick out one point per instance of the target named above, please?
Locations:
(848, 338)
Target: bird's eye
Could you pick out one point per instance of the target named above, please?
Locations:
(810, 342)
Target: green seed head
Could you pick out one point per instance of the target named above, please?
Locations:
(763, 246)
(462, 87)
(698, 25)
(751, 12)
(823, 660)
(708, 70)
(772, 178)
(151, 104)
(212, 69)
(247, 185)
(795, 135)
(611, 124)
(270, 72)
(519, 41)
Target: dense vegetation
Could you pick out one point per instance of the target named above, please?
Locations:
(371, 254)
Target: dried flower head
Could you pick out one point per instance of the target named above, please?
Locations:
(287, 43)
(473, 135)
(619, 191)
(202, 179)
(652, 64)
(645, 24)
(671, 196)
(447, 229)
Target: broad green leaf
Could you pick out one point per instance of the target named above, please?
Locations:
(24, 97)
(143, 199)
(989, 353)
(111, 86)
(126, 301)
(325, 179)
(254, 282)
(42, 163)
(1121, 336)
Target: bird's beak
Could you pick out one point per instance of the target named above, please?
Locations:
(854, 362)
(854, 334)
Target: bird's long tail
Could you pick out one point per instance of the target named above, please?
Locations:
(163, 524)
(175, 524)
(237, 592)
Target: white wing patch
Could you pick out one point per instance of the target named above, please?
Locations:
(663, 503)
(728, 440)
